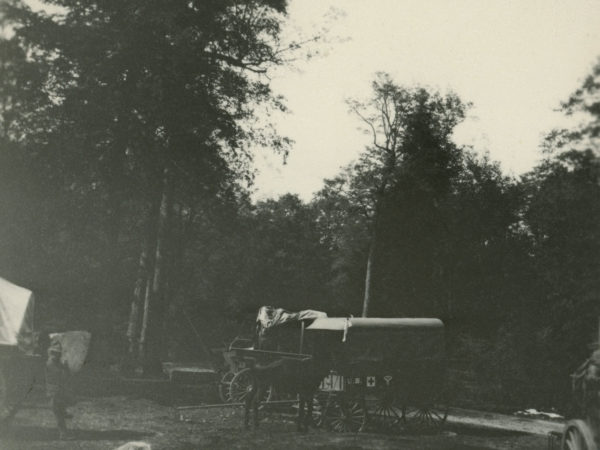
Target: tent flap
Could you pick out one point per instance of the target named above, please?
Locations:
(16, 316)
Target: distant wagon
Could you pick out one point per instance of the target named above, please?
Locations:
(583, 432)
(387, 372)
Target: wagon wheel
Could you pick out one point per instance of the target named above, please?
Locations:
(224, 385)
(578, 436)
(426, 415)
(386, 413)
(320, 400)
(345, 414)
(241, 385)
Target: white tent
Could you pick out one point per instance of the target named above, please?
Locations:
(16, 315)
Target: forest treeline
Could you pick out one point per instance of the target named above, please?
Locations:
(126, 130)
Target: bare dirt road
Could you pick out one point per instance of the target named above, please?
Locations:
(494, 421)
(107, 422)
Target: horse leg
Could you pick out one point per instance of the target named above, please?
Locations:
(258, 391)
(249, 402)
(247, 405)
(301, 417)
(309, 411)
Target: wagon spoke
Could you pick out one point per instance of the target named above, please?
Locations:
(224, 386)
(430, 420)
(577, 437)
(385, 413)
(576, 440)
(569, 441)
(240, 386)
(429, 415)
(337, 424)
(573, 440)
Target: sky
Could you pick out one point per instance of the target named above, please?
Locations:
(514, 60)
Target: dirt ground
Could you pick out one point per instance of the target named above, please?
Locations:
(108, 422)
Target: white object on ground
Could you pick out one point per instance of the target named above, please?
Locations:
(138, 445)
(532, 412)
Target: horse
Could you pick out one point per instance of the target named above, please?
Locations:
(300, 377)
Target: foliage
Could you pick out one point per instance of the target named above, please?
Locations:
(511, 266)
(109, 107)
(104, 98)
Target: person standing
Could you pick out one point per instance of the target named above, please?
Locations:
(57, 374)
(591, 386)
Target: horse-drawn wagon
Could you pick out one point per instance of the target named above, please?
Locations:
(381, 371)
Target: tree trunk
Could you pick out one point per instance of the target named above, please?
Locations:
(141, 291)
(368, 278)
(145, 322)
(151, 339)
(371, 256)
(106, 308)
(136, 303)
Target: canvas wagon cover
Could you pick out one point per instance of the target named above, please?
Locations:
(382, 339)
(16, 315)
(403, 323)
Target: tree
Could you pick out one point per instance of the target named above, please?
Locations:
(482, 254)
(583, 105)
(411, 155)
(343, 213)
(563, 216)
(149, 102)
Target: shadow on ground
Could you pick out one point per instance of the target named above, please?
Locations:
(471, 430)
(32, 434)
